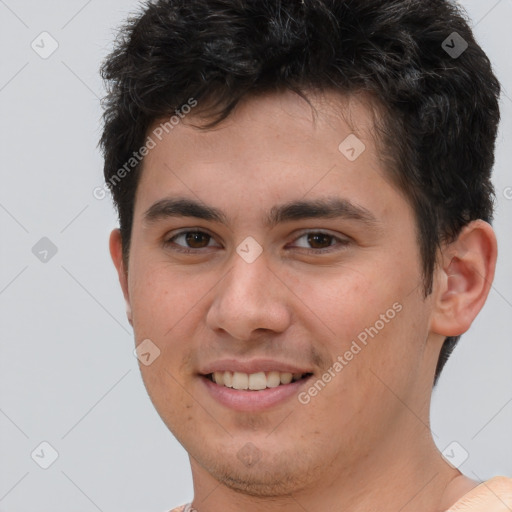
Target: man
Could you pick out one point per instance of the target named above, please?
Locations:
(304, 199)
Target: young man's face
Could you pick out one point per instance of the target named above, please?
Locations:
(345, 288)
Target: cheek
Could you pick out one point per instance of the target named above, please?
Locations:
(345, 301)
(390, 365)
(163, 309)
(167, 391)
(378, 325)
(161, 297)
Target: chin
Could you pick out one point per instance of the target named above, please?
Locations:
(261, 483)
(269, 476)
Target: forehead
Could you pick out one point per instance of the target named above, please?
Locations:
(320, 119)
(275, 146)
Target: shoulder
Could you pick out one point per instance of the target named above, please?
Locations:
(183, 508)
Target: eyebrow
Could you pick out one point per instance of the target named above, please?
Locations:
(328, 208)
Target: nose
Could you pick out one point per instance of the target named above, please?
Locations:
(250, 300)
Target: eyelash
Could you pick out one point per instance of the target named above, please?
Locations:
(342, 242)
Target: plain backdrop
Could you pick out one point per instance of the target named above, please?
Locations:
(68, 376)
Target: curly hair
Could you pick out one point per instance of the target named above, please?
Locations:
(441, 109)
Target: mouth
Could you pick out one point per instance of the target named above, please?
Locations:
(254, 392)
(258, 381)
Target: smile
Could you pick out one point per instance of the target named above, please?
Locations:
(254, 381)
(253, 392)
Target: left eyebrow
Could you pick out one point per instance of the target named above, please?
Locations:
(327, 208)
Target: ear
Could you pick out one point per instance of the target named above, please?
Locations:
(463, 279)
(116, 252)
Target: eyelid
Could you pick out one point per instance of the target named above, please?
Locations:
(341, 239)
(319, 231)
(167, 239)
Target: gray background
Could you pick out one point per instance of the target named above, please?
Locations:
(67, 371)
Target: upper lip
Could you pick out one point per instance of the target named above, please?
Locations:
(252, 366)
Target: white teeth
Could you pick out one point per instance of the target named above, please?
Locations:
(273, 379)
(218, 377)
(240, 380)
(254, 381)
(286, 378)
(257, 381)
(228, 379)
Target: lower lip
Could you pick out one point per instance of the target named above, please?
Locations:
(249, 401)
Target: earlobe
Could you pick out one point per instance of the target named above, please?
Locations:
(116, 252)
(464, 278)
(129, 313)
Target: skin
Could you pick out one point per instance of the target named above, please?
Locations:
(495, 495)
(363, 442)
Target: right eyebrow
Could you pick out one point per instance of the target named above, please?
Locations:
(182, 207)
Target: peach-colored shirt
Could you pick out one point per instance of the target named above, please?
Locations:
(183, 508)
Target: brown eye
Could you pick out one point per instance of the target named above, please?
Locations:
(319, 240)
(189, 241)
(197, 239)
